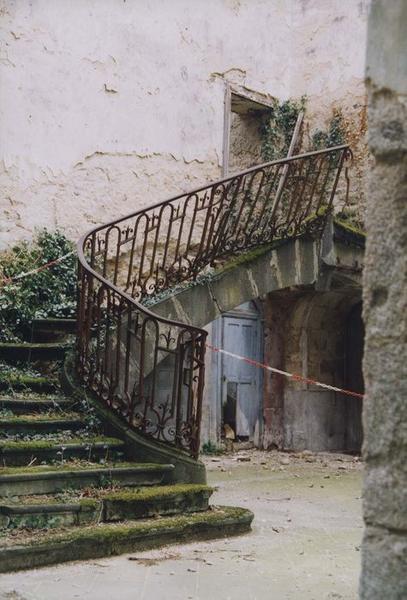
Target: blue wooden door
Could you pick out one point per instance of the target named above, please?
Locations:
(240, 380)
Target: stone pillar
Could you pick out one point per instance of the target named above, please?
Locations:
(277, 309)
(384, 556)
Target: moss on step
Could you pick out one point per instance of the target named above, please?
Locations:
(126, 494)
(89, 503)
(31, 346)
(114, 531)
(350, 227)
(40, 418)
(49, 445)
(41, 548)
(158, 493)
(22, 381)
(163, 500)
(30, 396)
(47, 513)
(26, 501)
(78, 466)
(245, 258)
(26, 352)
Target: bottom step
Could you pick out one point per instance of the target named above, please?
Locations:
(108, 539)
(104, 505)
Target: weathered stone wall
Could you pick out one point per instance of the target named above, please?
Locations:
(384, 556)
(306, 332)
(109, 106)
(321, 31)
(315, 347)
(245, 142)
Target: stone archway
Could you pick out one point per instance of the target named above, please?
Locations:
(317, 335)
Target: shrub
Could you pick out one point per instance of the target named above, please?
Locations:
(48, 293)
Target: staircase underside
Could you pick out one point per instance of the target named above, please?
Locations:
(302, 262)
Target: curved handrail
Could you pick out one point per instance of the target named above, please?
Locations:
(150, 368)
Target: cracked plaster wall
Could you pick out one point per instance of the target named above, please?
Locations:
(109, 106)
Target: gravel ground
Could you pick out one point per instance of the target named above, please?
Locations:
(304, 544)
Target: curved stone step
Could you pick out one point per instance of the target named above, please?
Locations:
(49, 515)
(47, 479)
(23, 382)
(24, 352)
(164, 500)
(45, 330)
(20, 404)
(104, 506)
(31, 424)
(111, 539)
(19, 453)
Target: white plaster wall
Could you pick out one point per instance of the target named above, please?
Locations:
(327, 58)
(109, 105)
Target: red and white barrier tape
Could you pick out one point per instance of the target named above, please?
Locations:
(293, 376)
(255, 363)
(9, 280)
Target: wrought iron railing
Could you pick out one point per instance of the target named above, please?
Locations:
(148, 368)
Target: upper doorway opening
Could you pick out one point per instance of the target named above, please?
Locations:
(245, 113)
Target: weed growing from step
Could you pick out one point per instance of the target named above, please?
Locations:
(48, 293)
(211, 449)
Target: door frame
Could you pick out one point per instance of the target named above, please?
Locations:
(256, 100)
(256, 314)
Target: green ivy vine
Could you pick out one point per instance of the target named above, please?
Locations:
(278, 127)
(333, 136)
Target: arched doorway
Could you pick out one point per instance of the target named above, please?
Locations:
(320, 337)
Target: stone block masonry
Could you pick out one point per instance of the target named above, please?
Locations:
(384, 564)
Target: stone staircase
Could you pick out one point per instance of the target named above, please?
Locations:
(68, 490)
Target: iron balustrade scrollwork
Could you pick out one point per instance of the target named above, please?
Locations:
(148, 368)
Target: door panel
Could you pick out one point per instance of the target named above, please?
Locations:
(240, 336)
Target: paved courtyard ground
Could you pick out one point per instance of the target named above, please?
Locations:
(304, 544)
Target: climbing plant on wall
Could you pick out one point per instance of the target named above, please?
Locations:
(278, 128)
(334, 135)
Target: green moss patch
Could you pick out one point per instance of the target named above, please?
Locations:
(50, 418)
(21, 381)
(214, 516)
(110, 538)
(79, 466)
(45, 445)
(246, 257)
(158, 492)
(351, 227)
